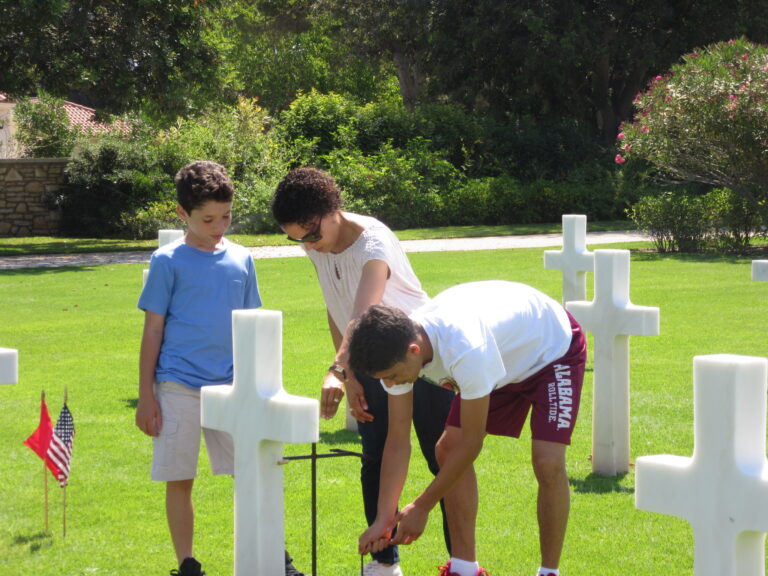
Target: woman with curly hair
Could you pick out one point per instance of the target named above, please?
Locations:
(359, 263)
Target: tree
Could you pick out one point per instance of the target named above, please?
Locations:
(110, 54)
(706, 121)
(578, 61)
(44, 129)
(274, 50)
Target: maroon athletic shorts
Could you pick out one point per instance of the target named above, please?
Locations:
(553, 393)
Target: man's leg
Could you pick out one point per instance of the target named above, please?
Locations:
(461, 502)
(181, 516)
(554, 498)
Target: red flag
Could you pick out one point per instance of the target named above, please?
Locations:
(41, 438)
(60, 448)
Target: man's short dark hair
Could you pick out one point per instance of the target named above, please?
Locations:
(303, 195)
(380, 339)
(200, 182)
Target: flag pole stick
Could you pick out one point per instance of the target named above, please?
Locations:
(64, 516)
(64, 495)
(45, 480)
(45, 491)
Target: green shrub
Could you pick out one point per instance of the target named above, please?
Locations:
(105, 182)
(316, 117)
(734, 220)
(676, 221)
(401, 187)
(144, 222)
(252, 209)
(238, 137)
(379, 123)
(44, 129)
(459, 134)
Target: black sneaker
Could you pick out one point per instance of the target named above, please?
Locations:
(190, 567)
(289, 568)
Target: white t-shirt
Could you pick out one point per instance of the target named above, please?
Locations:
(486, 335)
(339, 274)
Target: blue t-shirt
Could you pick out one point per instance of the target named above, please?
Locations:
(197, 291)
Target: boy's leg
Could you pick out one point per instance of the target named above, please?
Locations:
(174, 460)
(181, 517)
(554, 497)
(431, 405)
(461, 502)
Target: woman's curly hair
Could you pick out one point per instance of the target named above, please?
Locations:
(303, 195)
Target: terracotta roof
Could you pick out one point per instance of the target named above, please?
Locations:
(83, 117)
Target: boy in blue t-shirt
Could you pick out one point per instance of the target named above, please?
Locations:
(192, 288)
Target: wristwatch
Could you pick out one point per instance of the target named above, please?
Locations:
(339, 371)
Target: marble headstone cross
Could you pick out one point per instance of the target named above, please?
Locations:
(9, 366)
(760, 270)
(612, 318)
(261, 416)
(165, 237)
(574, 259)
(723, 489)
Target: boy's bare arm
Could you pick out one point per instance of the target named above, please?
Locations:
(148, 416)
(412, 519)
(394, 470)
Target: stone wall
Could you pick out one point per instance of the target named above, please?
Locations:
(25, 184)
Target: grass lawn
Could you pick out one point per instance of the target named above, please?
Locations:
(78, 328)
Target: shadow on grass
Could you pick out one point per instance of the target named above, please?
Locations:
(595, 484)
(46, 270)
(35, 542)
(339, 437)
(131, 403)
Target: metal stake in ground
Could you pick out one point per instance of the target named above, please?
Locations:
(314, 457)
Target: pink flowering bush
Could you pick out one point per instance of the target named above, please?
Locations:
(706, 121)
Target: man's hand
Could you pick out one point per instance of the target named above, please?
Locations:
(376, 538)
(411, 522)
(358, 405)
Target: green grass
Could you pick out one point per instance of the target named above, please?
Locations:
(78, 329)
(57, 245)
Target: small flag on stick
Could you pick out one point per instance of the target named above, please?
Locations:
(60, 448)
(41, 437)
(54, 445)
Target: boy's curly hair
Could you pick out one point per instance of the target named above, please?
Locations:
(201, 181)
(379, 339)
(303, 195)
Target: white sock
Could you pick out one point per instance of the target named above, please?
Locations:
(463, 567)
(548, 571)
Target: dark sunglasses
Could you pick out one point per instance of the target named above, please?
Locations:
(313, 236)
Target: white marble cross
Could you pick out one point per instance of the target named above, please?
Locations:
(574, 259)
(612, 318)
(261, 416)
(165, 237)
(723, 489)
(9, 366)
(760, 270)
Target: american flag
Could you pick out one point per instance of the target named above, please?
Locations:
(60, 449)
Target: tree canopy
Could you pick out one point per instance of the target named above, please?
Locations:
(576, 63)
